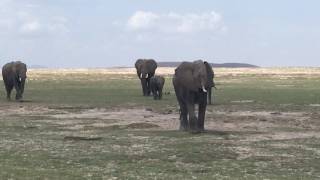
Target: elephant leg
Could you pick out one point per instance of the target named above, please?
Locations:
(192, 117)
(154, 93)
(9, 90)
(184, 123)
(202, 110)
(160, 93)
(18, 91)
(181, 97)
(190, 108)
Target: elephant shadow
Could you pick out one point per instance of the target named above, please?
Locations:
(212, 132)
(227, 133)
(26, 101)
(22, 101)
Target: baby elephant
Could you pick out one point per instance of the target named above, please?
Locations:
(156, 84)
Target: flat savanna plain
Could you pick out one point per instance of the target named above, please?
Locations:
(95, 124)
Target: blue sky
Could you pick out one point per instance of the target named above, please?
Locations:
(101, 33)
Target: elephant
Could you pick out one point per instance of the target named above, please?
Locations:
(156, 85)
(191, 81)
(14, 76)
(211, 84)
(145, 70)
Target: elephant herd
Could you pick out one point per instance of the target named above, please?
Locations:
(192, 82)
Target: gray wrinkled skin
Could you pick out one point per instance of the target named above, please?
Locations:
(190, 84)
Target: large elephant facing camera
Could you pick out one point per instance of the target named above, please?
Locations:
(191, 81)
(14, 76)
(146, 69)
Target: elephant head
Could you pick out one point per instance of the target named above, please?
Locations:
(191, 82)
(193, 75)
(14, 75)
(145, 70)
(20, 71)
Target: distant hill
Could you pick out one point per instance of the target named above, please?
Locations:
(35, 66)
(225, 65)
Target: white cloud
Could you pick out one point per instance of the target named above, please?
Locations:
(58, 24)
(30, 27)
(176, 23)
(29, 19)
(142, 20)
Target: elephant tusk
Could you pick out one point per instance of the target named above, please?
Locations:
(203, 89)
(147, 76)
(20, 79)
(141, 76)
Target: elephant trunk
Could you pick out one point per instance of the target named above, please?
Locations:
(144, 86)
(22, 87)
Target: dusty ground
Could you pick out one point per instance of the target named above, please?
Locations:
(265, 122)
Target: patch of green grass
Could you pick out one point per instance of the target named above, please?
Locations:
(269, 92)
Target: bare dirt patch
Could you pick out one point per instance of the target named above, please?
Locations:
(272, 125)
(131, 118)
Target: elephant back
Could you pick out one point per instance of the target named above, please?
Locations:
(162, 80)
(7, 69)
(14, 66)
(159, 80)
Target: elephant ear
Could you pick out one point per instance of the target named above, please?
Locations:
(152, 65)
(200, 74)
(210, 74)
(138, 65)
